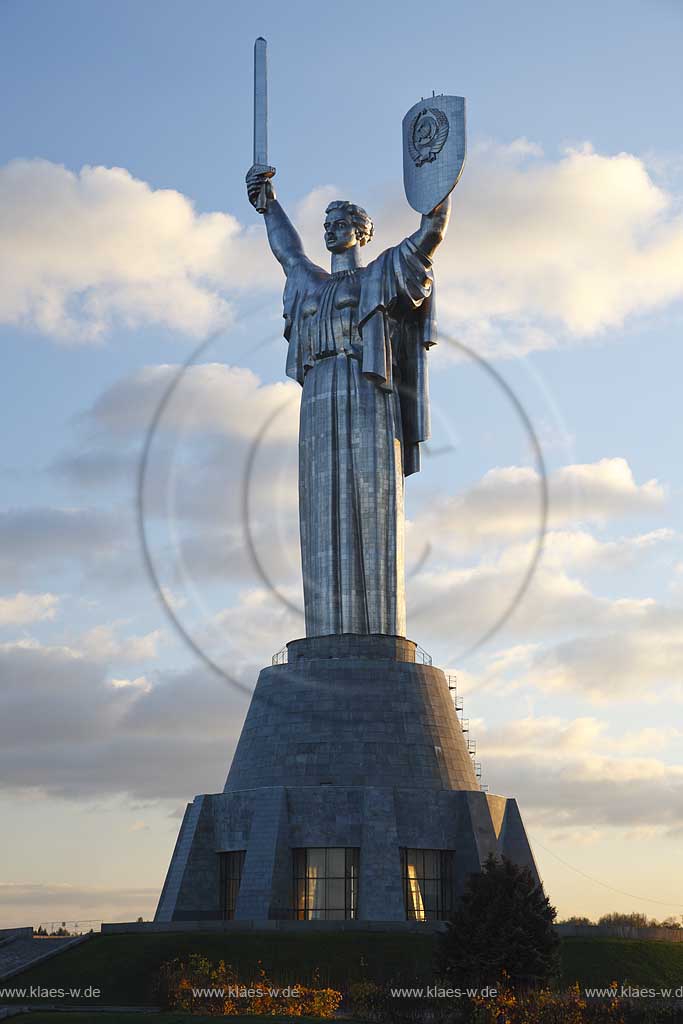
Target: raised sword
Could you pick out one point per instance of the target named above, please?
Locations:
(261, 114)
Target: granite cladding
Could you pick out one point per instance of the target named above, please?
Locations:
(329, 719)
(344, 749)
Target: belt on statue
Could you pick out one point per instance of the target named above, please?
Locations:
(325, 355)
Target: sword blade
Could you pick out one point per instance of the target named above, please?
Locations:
(260, 102)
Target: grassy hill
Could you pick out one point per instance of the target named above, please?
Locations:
(124, 966)
(639, 962)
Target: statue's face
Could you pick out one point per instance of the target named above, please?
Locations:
(340, 233)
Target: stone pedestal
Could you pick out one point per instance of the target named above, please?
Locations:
(351, 743)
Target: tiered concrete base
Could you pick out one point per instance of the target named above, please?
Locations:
(351, 743)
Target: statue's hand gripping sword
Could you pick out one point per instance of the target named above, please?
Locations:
(261, 120)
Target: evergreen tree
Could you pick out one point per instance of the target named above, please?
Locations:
(504, 926)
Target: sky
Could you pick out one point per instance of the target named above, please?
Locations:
(132, 268)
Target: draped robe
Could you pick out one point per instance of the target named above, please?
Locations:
(357, 344)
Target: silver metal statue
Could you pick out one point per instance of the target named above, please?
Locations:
(358, 338)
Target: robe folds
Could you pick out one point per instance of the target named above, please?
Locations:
(357, 344)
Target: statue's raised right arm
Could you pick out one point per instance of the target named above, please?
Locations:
(283, 237)
(432, 229)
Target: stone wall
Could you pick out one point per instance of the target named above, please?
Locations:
(351, 743)
(352, 722)
(270, 822)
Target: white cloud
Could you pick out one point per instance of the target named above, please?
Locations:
(506, 503)
(38, 539)
(540, 249)
(578, 548)
(569, 640)
(24, 608)
(573, 773)
(563, 635)
(210, 397)
(81, 252)
(141, 682)
(536, 245)
(641, 655)
(168, 735)
(551, 736)
(26, 903)
(260, 623)
(104, 642)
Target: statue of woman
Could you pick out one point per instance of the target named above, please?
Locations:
(358, 338)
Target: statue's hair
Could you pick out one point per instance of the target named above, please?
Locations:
(358, 217)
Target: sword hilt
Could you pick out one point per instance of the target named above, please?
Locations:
(265, 172)
(262, 201)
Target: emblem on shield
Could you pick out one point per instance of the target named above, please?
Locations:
(433, 150)
(427, 135)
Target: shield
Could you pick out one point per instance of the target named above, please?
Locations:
(433, 150)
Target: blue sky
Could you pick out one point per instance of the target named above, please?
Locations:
(562, 268)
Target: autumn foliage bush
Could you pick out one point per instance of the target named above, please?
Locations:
(376, 1003)
(197, 985)
(545, 1006)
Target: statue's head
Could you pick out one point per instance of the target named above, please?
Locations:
(346, 225)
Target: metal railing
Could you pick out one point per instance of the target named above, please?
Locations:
(458, 704)
(56, 929)
(280, 657)
(421, 656)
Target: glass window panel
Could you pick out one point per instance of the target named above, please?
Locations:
(447, 876)
(315, 861)
(336, 889)
(431, 892)
(336, 862)
(299, 863)
(414, 894)
(299, 901)
(414, 863)
(431, 863)
(352, 861)
(230, 874)
(427, 883)
(325, 881)
(315, 890)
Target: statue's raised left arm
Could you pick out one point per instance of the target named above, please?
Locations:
(432, 229)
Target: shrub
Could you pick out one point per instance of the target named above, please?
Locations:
(202, 987)
(634, 920)
(371, 1002)
(368, 1000)
(504, 926)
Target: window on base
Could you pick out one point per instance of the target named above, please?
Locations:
(325, 883)
(230, 873)
(427, 883)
